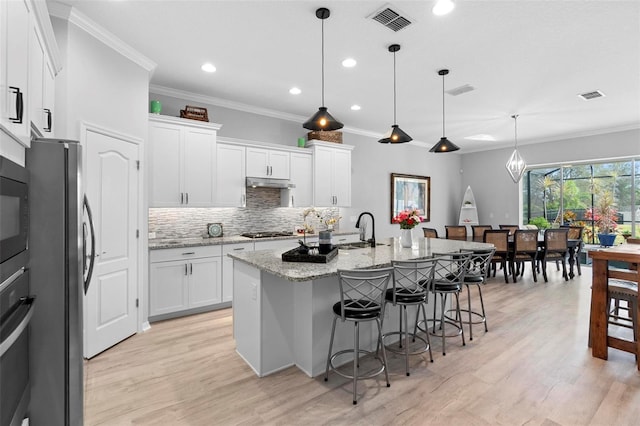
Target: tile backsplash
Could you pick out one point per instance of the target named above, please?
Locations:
(262, 213)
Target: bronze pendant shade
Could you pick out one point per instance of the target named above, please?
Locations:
(444, 145)
(396, 135)
(322, 120)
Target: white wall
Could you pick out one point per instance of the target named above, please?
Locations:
(497, 196)
(372, 164)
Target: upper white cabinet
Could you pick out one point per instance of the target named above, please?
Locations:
(29, 62)
(230, 187)
(15, 22)
(182, 161)
(301, 175)
(267, 163)
(331, 174)
(41, 84)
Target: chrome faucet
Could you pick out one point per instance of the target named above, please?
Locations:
(373, 228)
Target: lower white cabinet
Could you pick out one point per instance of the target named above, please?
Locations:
(184, 279)
(227, 267)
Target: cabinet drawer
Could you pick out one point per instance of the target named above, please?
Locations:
(235, 248)
(165, 255)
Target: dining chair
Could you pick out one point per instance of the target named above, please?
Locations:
(430, 232)
(478, 231)
(500, 240)
(555, 248)
(362, 293)
(525, 249)
(511, 228)
(575, 233)
(456, 232)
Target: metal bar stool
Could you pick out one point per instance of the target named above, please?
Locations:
(479, 266)
(361, 299)
(448, 279)
(412, 280)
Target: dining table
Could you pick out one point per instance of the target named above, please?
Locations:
(599, 316)
(573, 246)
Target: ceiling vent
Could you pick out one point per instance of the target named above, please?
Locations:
(391, 18)
(591, 95)
(460, 90)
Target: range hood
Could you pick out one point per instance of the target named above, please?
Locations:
(255, 182)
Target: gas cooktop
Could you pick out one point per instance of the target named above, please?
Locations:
(267, 234)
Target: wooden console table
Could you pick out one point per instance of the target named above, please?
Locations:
(600, 340)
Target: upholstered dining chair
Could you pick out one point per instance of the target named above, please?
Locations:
(478, 231)
(430, 232)
(500, 240)
(511, 228)
(525, 249)
(455, 232)
(555, 248)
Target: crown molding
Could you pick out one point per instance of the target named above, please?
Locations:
(83, 22)
(238, 106)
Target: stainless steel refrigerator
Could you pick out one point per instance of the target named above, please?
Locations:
(56, 264)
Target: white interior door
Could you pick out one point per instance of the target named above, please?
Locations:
(110, 312)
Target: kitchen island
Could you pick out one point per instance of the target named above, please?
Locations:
(282, 310)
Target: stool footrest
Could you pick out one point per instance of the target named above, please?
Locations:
(423, 348)
(350, 376)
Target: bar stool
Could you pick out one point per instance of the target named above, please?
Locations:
(479, 265)
(412, 281)
(448, 279)
(361, 299)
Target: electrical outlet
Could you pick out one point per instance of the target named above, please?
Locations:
(352, 218)
(152, 235)
(254, 291)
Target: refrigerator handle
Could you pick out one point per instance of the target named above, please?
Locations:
(93, 245)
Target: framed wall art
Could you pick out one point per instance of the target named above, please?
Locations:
(411, 191)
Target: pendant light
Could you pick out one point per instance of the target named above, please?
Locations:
(516, 164)
(444, 145)
(322, 120)
(396, 135)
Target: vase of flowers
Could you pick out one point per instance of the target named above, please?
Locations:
(407, 219)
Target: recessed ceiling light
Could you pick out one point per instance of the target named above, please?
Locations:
(442, 7)
(355, 107)
(295, 91)
(481, 137)
(349, 63)
(208, 67)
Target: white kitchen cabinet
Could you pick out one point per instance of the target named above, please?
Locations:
(15, 21)
(182, 161)
(267, 163)
(301, 175)
(230, 186)
(184, 280)
(331, 174)
(41, 84)
(227, 267)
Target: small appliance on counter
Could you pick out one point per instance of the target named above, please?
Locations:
(214, 230)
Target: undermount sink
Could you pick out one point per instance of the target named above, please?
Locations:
(356, 245)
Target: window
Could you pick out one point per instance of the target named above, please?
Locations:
(577, 193)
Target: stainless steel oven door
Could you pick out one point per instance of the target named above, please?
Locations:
(16, 309)
(14, 217)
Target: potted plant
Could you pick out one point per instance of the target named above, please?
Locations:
(540, 222)
(605, 217)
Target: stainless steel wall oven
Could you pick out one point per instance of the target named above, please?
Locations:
(14, 217)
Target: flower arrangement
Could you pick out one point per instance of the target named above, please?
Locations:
(569, 216)
(408, 218)
(327, 217)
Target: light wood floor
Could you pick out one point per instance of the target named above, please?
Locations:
(533, 367)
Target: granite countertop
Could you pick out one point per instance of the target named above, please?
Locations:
(165, 243)
(388, 249)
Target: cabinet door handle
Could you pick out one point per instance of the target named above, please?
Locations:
(186, 197)
(48, 112)
(182, 198)
(185, 269)
(293, 204)
(239, 249)
(19, 105)
(191, 269)
(188, 253)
